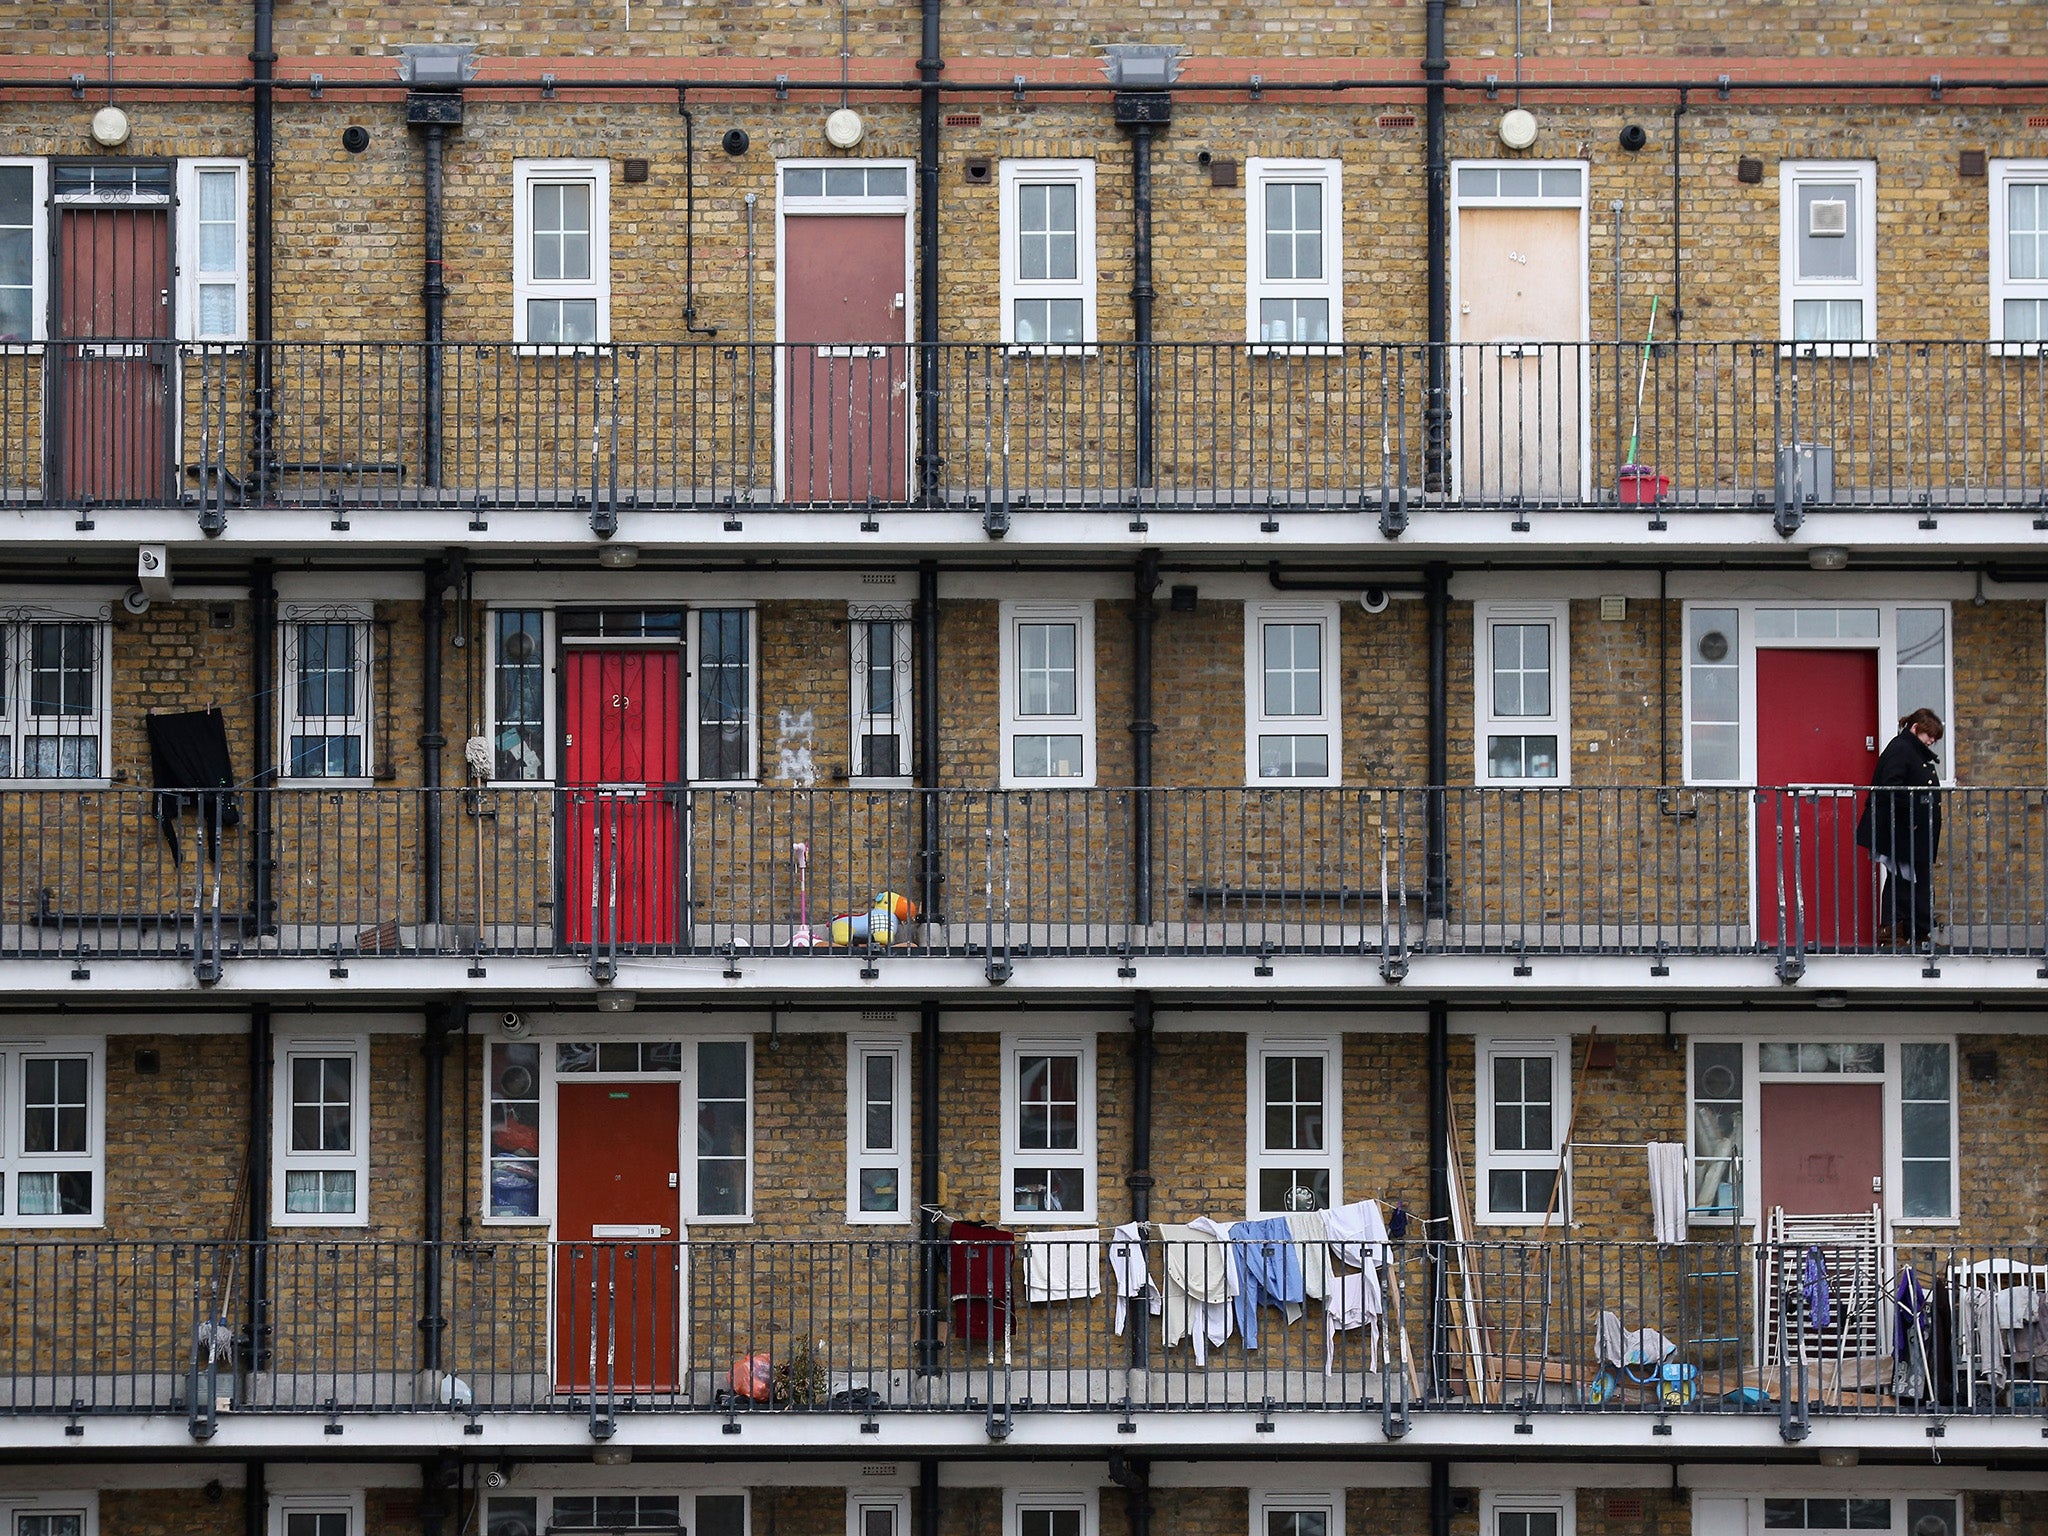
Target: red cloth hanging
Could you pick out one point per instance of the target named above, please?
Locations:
(978, 1274)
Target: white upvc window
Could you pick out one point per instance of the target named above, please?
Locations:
(1524, 1106)
(723, 1085)
(317, 1514)
(561, 255)
(1296, 1138)
(1048, 1130)
(877, 1512)
(1827, 251)
(1292, 720)
(723, 698)
(53, 692)
(213, 250)
(1050, 1512)
(1294, 259)
(520, 728)
(1527, 1514)
(327, 671)
(1295, 1513)
(1521, 680)
(1047, 268)
(879, 670)
(24, 251)
(320, 1138)
(2019, 252)
(878, 1131)
(1048, 695)
(52, 1133)
(514, 1120)
(50, 1514)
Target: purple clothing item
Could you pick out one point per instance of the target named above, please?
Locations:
(1813, 1286)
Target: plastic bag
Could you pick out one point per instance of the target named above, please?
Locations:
(753, 1378)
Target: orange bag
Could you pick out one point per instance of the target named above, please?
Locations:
(753, 1377)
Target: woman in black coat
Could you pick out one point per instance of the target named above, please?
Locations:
(1901, 828)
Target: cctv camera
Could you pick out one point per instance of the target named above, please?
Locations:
(1374, 599)
(494, 1478)
(513, 1023)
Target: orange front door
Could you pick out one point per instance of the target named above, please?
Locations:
(1822, 1145)
(114, 353)
(846, 413)
(1816, 722)
(618, 1263)
(622, 774)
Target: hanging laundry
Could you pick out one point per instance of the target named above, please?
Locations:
(189, 765)
(1912, 1344)
(1357, 1232)
(978, 1278)
(1667, 1191)
(1813, 1289)
(1312, 1244)
(1201, 1284)
(1355, 1302)
(1268, 1273)
(1062, 1266)
(1133, 1272)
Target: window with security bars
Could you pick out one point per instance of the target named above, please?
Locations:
(1294, 1155)
(725, 695)
(53, 689)
(322, 1144)
(52, 1149)
(881, 672)
(327, 664)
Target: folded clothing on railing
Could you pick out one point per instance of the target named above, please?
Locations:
(1062, 1266)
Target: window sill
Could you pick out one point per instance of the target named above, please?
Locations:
(1077, 782)
(1295, 782)
(359, 781)
(299, 1222)
(1483, 781)
(561, 348)
(1294, 349)
(1824, 349)
(2019, 348)
(1051, 349)
(53, 1223)
(875, 1219)
(57, 783)
(718, 1221)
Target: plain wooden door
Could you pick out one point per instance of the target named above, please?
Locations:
(114, 353)
(1816, 721)
(1521, 402)
(618, 1264)
(1822, 1146)
(622, 779)
(846, 413)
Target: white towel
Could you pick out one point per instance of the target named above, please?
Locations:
(1667, 1191)
(1355, 1302)
(1200, 1283)
(1133, 1272)
(1357, 1232)
(1312, 1243)
(1062, 1266)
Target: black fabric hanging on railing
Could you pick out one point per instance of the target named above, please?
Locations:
(189, 766)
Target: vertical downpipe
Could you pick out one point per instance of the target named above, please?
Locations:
(1439, 1199)
(1436, 594)
(433, 1202)
(1436, 428)
(434, 293)
(432, 741)
(1139, 1179)
(1144, 619)
(928, 1498)
(256, 1326)
(1439, 1497)
(263, 726)
(1142, 295)
(262, 165)
(930, 65)
(255, 1500)
(930, 1224)
(925, 680)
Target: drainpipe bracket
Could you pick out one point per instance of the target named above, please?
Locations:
(1791, 968)
(996, 522)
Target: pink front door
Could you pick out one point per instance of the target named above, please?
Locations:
(113, 334)
(1822, 1146)
(621, 785)
(846, 395)
(1816, 714)
(618, 1263)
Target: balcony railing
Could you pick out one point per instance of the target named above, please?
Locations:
(862, 1327)
(1919, 427)
(1379, 874)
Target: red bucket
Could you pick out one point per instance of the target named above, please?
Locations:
(1641, 486)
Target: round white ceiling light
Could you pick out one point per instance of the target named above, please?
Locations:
(1518, 128)
(844, 129)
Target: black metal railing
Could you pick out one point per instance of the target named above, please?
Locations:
(1928, 427)
(90, 874)
(1791, 1331)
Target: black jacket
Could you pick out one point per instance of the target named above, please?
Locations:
(1901, 819)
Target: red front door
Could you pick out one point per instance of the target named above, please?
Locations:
(622, 779)
(1822, 1145)
(846, 414)
(114, 353)
(1816, 714)
(618, 1263)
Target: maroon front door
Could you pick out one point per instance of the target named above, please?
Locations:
(618, 1264)
(1822, 1146)
(622, 784)
(1816, 748)
(114, 353)
(846, 411)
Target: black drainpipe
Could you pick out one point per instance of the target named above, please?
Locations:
(1139, 1179)
(927, 1498)
(256, 1325)
(690, 325)
(926, 681)
(263, 726)
(1439, 1497)
(1439, 1195)
(1436, 598)
(432, 738)
(929, 1223)
(930, 65)
(1144, 113)
(1436, 420)
(255, 1500)
(263, 56)
(434, 293)
(1144, 619)
(1677, 222)
(1133, 1474)
(433, 1166)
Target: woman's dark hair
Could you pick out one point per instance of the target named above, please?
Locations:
(1923, 720)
